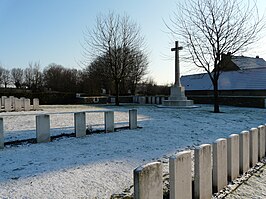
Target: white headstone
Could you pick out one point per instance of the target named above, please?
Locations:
(27, 105)
(142, 100)
(203, 172)
(109, 121)
(133, 118)
(149, 100)
(112, 99)
(180, 176)
(1, 133)
(219, 164)
(80, 124)
(233, 157)
(153, 100)
(12, 100)
(158, 100)
(244, 151)
(17, 104)
(253, 141)
(148, 181)
(35, 104)
(261, 134)
(3, 100)
(43, 128)
(8, 105)
(22, 102)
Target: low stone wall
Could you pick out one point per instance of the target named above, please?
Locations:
(241, 101)
(215, 165)
(43, 125)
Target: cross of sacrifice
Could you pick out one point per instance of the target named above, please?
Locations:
(177, 69)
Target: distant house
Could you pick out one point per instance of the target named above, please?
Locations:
(242, 82)
(240, 73)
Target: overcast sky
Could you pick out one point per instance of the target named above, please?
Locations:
(51, 31)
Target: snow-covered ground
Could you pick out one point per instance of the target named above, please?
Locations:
(99, 165)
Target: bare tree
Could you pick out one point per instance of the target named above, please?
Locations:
(1, 74)
(33, 77)
(53, 77)
(137, 70)
(6, 77)
(28, 77)
(17, 77)
(116, 38)
(211, 28)
(96, 75)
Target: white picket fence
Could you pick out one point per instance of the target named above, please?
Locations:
(215, 165)
(43, 124)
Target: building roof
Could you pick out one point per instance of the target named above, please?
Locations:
(238, 74)
(245, 63)
(252, 79)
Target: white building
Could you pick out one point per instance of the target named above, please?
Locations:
(242, 73)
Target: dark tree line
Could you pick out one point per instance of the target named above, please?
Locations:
(94, 79)
(53, 77)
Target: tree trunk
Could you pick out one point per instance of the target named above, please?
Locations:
(116, 93)
(216, 97)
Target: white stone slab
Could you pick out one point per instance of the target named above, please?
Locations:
(233, 157)
(12, 100)
(261, 134)
(149, 100)
(80, 124)
(3, 100)
(142, 100)
(109, 121)
(135, 99)
(219, 164)
(180, 176)
(203, 172)
(27, 105)
(158, 100)
(22, 102)
(148, 181)
(43, 128)
(112, 99)
(133, 119)
(253, 144)
(35, 104)
(244, 151)
(17, 104)
(153, 100)
(8, 105)
(1, 133)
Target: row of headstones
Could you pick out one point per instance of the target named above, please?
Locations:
(214, 166)
(43, 125)
(149, 99)
(12, 103)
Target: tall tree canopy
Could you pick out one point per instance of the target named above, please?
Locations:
(118, 42)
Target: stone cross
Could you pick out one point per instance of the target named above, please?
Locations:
(177, 69)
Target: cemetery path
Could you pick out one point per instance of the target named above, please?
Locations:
(99, 165)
